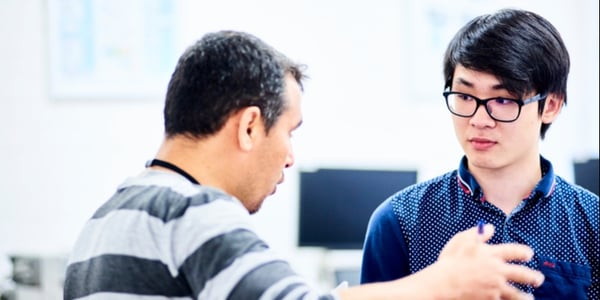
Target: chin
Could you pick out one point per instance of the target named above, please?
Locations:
(255, 206)
(254, 210)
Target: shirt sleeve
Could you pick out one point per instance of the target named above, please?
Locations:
(385, 255)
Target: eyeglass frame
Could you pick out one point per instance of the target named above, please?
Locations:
(479, 102)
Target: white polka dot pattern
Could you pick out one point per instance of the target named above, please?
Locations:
(558, 220)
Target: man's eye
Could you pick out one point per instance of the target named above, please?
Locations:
(503, 101)
(465, 97)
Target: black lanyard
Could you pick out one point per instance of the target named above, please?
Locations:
(172, 167)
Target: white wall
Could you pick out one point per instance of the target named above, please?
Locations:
(363, 107)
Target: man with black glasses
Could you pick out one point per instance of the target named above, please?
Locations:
(505, 83)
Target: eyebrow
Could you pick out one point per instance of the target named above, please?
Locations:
(467, 83)
(463, 82)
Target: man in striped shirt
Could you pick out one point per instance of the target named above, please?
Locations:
(181, 229)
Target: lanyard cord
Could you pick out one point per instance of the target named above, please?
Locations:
(172, 167)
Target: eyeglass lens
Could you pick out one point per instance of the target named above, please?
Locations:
(498, 108)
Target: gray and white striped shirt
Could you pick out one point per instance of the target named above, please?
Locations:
(162, 237)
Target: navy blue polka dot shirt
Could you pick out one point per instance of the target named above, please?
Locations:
(559, 220)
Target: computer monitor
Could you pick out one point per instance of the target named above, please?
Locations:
(586, 174)
(335, 204)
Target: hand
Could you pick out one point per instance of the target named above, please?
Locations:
(467, 268)
(476, 270)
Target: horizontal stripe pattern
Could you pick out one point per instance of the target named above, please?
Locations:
(282, 287)
(148, 237)
(117, 296)
(161, 237)
(123, 274)
(219, 254)
(161, 202)
(265, 275)
(225, 281)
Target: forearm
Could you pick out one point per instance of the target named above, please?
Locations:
(425, 284)
(467, 268)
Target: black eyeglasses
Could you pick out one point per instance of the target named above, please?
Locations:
(498, 108)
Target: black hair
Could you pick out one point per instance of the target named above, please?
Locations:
(521, 48)
(220, 74)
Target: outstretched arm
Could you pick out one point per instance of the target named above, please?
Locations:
(467, 268)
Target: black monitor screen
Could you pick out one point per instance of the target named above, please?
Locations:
(586, 174)
(335, 204)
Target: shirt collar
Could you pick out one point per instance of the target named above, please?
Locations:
(544, 188)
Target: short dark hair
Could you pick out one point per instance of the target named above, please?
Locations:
(220, 74)
(521, 48)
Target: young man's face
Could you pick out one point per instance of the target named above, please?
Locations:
(488, 143)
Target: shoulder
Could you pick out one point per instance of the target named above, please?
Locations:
(168, 197)
(425, 190)
(567, 191)
(575, 201)
(407, 202)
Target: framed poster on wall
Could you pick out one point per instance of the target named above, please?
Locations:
(430, 26)
(105, 49)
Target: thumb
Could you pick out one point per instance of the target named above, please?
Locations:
(483, 234)
(470, 237)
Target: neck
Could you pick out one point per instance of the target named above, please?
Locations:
(200, 159)
(506, 188)
(172, 167)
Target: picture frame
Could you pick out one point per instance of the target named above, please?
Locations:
(110, 49)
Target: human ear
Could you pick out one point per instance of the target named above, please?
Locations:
(248, 127)
(552, 107)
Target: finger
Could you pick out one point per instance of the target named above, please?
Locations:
(524, 275)
(488, 232)
(512, 252)
(510, 292)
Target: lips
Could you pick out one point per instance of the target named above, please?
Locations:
(278, 183)
(482, 143)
